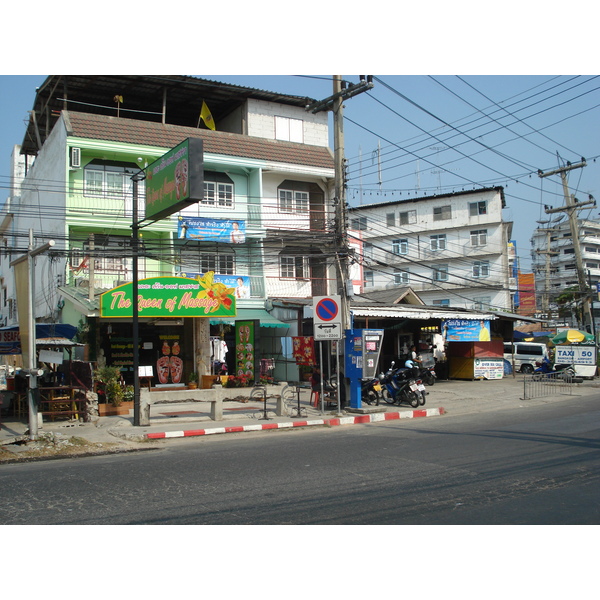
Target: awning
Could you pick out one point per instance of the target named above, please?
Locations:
(418, 313)
(250, 314)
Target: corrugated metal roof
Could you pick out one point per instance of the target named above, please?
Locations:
(406, 312)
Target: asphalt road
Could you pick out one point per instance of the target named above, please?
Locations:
(534, 465)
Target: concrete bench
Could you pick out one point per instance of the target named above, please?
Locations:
(148, 398)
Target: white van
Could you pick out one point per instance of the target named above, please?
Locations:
(526, 354)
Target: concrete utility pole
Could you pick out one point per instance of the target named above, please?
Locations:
(571, 208)
(341, 92)
(549, 253)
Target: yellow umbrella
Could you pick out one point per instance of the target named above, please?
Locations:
(572, 336)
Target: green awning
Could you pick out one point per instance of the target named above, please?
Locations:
(248, 314)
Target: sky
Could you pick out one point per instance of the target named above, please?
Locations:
(419, 135)
(465, 102)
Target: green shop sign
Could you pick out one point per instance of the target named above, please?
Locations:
(171, 297)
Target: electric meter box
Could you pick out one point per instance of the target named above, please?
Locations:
(363, 347)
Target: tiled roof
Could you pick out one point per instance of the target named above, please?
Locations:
(132, 131)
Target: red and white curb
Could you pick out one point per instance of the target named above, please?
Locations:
(355, 420)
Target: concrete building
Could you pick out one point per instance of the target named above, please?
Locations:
(268, 174)
(451, 249)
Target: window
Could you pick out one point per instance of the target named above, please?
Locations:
(218, 194)
(591, 249)
(368, 279)
(437, 242)
(400, 246)
(359, 223)
(569, 251)
(407, 218)
(482, 303)
(112, 179)
(289, 130)
(444, 302)
(570, 267)
(479, 237)
(109, 254)
(477, 208)
(293, 267)
(401, 277)
(481, 268)
(441, 213)
(440, 273)
(293, 201)
(591, 265)
(222, 264)
(368, 251)
(390, 220)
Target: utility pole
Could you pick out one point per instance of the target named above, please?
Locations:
(571, 208)
(341, 92)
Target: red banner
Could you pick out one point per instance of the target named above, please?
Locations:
(304, 350)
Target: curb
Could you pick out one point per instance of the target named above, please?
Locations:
(374, 418)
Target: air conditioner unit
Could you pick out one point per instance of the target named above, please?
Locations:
(75, 158)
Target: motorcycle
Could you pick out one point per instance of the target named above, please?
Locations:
(401, 385)
(546, 369)
(371, 391)
(427, 374)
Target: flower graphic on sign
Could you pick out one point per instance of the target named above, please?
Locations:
(209, 288)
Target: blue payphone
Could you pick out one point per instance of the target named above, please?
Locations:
(362, 350)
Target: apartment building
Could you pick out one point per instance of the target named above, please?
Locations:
(260, 227)
(451, 249)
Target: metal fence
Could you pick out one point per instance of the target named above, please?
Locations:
(539, 385)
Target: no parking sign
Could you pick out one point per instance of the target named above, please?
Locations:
(327, 317)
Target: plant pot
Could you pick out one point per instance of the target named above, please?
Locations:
(108, 410)
(192, 385)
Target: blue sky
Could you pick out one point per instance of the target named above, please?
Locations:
(417, 135)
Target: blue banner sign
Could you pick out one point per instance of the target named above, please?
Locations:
(214, 230)
(239, 283)
(466, 330)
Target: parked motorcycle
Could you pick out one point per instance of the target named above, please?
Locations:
(427, 374)
(401, 385)
(547, 368)
(371, 391)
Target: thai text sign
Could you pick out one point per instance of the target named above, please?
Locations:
(170, 297)
(466, 330)
(175, 180)
(214, 230)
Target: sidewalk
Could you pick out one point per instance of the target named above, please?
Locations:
(192, 419)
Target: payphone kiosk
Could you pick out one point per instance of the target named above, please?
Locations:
(363, 347)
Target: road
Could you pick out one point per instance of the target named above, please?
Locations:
(534, 465)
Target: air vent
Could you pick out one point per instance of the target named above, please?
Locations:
(75, 158)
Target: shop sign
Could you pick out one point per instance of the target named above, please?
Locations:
(175, 180)
(466, 330)
(488, 368)
(171, 297)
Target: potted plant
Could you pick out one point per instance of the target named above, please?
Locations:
(110, 378)
(193, 380)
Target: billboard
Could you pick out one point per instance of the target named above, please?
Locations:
(466, 330)
(526, 294)
(175, 180)
(171, 297)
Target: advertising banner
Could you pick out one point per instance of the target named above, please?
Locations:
(245, 332)
(466, 330)
(239, 283)
(526, 294)
(227, 231)
(175, 180)
(171, 297)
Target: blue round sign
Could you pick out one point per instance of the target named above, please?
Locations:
(327, 309)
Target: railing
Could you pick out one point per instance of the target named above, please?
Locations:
(539, 385)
